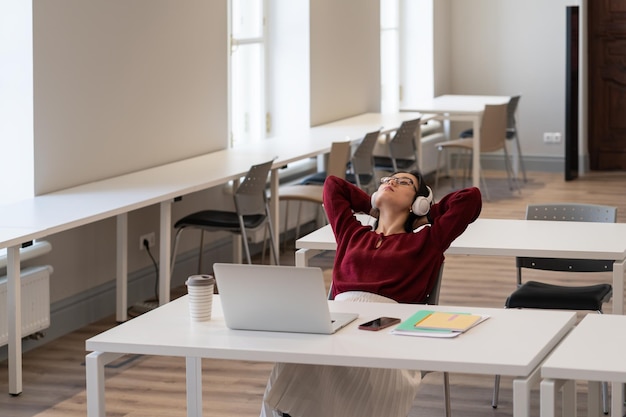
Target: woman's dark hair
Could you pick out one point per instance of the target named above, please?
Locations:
(421, 190)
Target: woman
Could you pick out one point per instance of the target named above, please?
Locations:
(396, 261)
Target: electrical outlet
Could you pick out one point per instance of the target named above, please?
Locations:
(552, 137)
(150, 237)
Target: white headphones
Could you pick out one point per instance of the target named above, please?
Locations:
(421, 205)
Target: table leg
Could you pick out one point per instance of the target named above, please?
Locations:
(275, 207)
(548, 398)
(121, 287)
(14, 316)
(521, 393)
(617, 399)
(569, 399)
(618, 287)
(94, 370)
(593, 399)
(194, 387)
(165, 237)
(476, 152)
(304, 255)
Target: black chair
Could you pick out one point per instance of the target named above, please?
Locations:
(534, 294)
(251, 212)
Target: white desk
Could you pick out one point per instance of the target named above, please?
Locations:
(593, 351)
(462, 108)
(506, 237)
(56, 212)
(511, 342)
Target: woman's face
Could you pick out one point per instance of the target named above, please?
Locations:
(398, 189)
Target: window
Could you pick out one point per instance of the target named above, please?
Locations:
(389, 55)
(247, 72)
(16, 100)
(407, 56)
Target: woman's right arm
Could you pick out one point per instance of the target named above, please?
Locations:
(341, 200)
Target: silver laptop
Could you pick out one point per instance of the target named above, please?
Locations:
(276, 298)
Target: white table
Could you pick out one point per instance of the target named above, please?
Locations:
(56, 212)
(461, 108)
(507, 237)
(593, 351)
(511, 342)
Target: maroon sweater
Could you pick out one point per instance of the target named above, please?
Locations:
(405, 266)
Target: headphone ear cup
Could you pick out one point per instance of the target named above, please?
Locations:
(373, 200)
(421, 205)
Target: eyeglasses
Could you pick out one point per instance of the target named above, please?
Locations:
(397, 180)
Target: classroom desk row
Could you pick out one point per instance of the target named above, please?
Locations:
(44, 215)
(537, 347)
(509, 237)
(594, 350)
(511, 342)
(56, 212)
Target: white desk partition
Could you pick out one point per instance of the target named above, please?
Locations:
(507, 237)
(510, 342)
(461, 108)
(593, 351)
(56, 212)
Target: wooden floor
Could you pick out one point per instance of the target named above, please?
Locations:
(54, 375)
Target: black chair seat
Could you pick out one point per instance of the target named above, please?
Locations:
(383, 162)
(363, 178)
(216, 219)
(533, 294)
(314, 179)
(469, 133)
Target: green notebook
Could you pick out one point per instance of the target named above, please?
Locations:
(438, 324)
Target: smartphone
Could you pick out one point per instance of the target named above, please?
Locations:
(379, 323)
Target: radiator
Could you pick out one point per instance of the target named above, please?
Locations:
(35, 289)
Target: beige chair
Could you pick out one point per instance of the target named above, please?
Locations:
(402, 148)
(361, 172)
(492, 139)
(337, 163)
(512, 133)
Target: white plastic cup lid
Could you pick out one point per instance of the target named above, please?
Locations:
(200, 281)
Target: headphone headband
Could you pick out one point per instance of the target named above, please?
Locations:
(421, 205)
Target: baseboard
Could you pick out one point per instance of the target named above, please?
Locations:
(531, 163)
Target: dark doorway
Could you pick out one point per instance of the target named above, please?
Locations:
(571, 93)
(607, 84)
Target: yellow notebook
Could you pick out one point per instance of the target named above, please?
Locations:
(458, 322)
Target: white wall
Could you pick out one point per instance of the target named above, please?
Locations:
(509, 47)
(121, 86)
(345, 51)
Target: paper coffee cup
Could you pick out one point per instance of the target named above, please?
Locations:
(200, 296)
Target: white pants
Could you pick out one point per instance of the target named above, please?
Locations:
(337, 391)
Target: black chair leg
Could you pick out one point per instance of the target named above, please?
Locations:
(496, 392)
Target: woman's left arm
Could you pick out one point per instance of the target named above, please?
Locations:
(451, 216)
